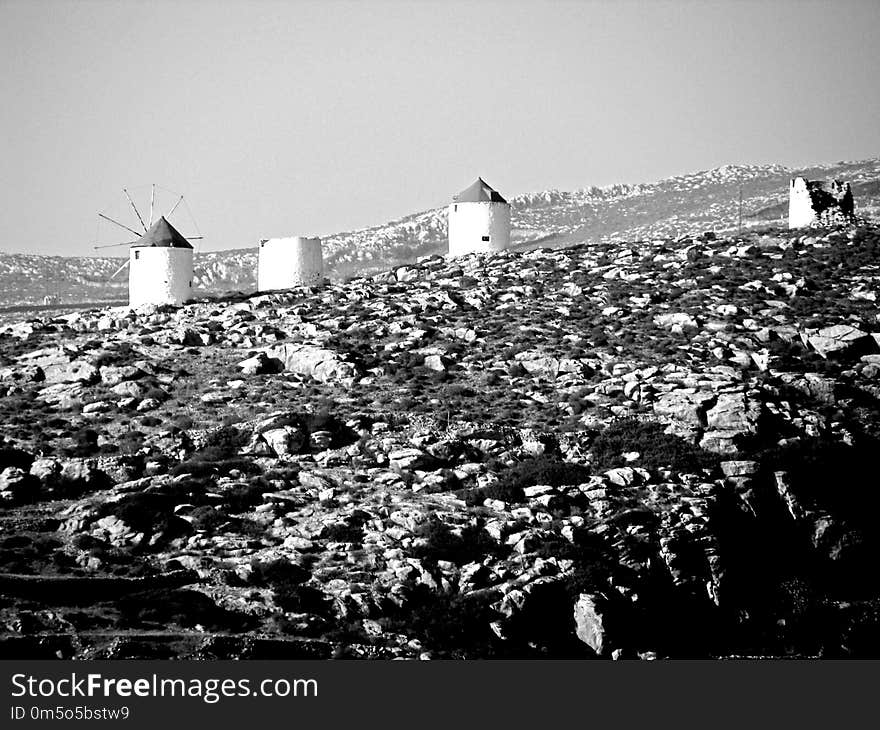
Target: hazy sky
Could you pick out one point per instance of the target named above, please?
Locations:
(295, 118)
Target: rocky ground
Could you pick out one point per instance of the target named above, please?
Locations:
(661, 448)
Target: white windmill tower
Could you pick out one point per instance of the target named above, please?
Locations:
(288, 262)
(160, 258)
(479, 220)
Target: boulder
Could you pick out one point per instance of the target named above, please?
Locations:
(130, 389)
(539, 365)
(409, 459)
(739, 468)
(624, 476)
(46, 470)
(676, 322)
(115, 531)
(313, 480)
(321, 440)
(842, 341)
(74, 476)
(435, 362)
(27, 374)
(822, 388)
(188, 337)
(323, 365)
(686, 406)
(733, 412)
(83, 475)
(286, 440)
(257, 446)
(77, 371)
(406, 273)
(590, 621)
(260, 364)
(785, 491)
(112, 375)
(64, 396)
(537, 611)
(721, 442)
(100, 406)
(16, 485)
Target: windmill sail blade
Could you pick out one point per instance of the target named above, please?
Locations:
(136, 212)
(114, 245)
(131, 243)
(179, 201)
(114, 274)
(152, 199)
(121, 225)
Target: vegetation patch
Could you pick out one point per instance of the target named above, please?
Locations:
(656, 448)
(544, 470)
(452, 624)
(468, 545)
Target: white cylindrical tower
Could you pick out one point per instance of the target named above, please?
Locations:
(160, 267)
(290, 262)
(479, 220)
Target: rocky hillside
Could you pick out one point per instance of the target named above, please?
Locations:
(656, 449)
(686, 204)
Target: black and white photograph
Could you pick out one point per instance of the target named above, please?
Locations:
(439, 330)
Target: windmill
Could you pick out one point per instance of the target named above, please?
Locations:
(160, 257)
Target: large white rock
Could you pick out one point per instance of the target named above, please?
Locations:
(317, 362)
(841, 339)
(590, 621)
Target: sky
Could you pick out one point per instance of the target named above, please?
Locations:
(311, 118)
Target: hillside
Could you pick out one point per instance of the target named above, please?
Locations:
(654, 448)
(685, 204)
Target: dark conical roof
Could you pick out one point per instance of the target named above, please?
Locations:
(479, 192)
(163, 234)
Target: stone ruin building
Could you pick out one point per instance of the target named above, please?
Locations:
(819, 203)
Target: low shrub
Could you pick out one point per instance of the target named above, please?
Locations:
(540, 470)
(302, 599)
(343, 533)
(130, 442)
(207, 518)
(224, 443)
(200, 466)
(85, 442)
(183, 422)
(15, 457)
(149, 512)
(277, 574)
(656, 449)
(181, 607)
(816, 465)
(456, 625)
(243, 497)
(471, 544)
